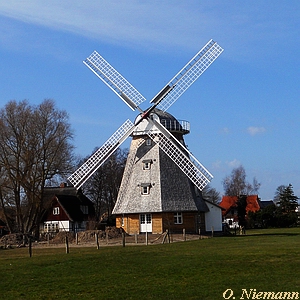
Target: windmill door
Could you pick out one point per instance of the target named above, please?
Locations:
(145, 223)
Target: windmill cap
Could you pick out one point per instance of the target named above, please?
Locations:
(171, 123)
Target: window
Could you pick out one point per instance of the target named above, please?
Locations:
(145, 188)
(177, 218)
(56, 211)
(148, 218)
(147, 164)
(145, 218)
(148, 142)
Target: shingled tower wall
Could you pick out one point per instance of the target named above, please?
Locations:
(170, 191)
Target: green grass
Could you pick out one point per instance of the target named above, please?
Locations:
(265, 260)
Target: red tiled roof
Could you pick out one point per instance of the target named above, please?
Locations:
(252, 203)
(229, 202)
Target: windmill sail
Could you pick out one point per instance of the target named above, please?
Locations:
(81, 175)
(187, 75)
(114, 80)
(195, 171)
(192, 168)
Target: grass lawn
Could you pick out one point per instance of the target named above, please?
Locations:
(265, 260)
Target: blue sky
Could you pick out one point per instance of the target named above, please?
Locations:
(244, 110)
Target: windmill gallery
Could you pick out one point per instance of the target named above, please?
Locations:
(162, 181)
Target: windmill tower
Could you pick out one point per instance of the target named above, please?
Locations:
(162, 179)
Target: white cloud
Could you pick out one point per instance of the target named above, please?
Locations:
(255, 130)
(131, 22)
(162, 25)
(234, 163)
(225, 130)
(217, 165)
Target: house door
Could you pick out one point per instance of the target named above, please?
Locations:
(145, 223)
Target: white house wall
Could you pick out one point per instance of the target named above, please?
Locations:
(65, 226)
(60, 225)
(213, 218)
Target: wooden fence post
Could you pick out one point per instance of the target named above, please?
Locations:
(164, 237)
(212, 231)
(135, 238)
(123, 239)
(76, 236)
(168, 235)
(67, 244)
(97, 240)
(30, 246)
(183, 233)
(106, 235)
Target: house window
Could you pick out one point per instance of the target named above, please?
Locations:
(177, 218)
(56, 211)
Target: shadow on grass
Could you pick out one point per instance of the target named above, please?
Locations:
(265, 233)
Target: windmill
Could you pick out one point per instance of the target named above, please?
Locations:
(148, 127)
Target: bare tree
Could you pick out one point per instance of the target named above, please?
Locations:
(103, 186)
(255, 186)
(211, 194)
(34, 148)
(236, 184)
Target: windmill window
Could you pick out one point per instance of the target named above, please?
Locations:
(147, 164)
(178, 218)
(145, 218)
(145, 188)
(56, 211)
(148, 142)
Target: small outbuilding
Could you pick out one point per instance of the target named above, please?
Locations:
(68, 210)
